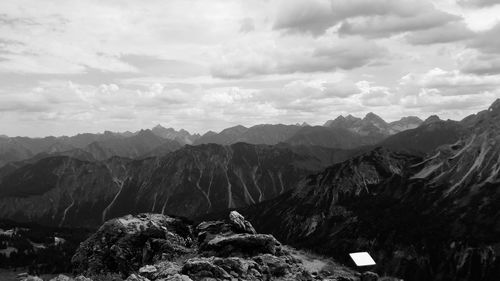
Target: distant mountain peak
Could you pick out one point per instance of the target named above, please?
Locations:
(411, 119)
(351, 118)
(495, 106)
(432, 119)
(235, 128)
(372, 117)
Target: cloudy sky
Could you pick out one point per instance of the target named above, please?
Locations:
(88, 66)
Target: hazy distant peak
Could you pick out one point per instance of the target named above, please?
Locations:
(235, 128)
(495, 106)
(411, 119)
(432, 119)
(372, 117)
(351, 118)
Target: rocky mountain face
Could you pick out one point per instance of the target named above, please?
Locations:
(373, 125)
(142, 143)
(182, 136)
(338, 138)
(342, 133)
(157, 247)
(422, 219)
(190, 181)
(259, 134)
(426, 138)
(86, 146)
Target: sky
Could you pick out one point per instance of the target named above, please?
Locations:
(68, 67)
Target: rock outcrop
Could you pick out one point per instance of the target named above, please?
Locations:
(125, 244)
(150, 247)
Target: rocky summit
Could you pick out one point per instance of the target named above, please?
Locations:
(157, 247)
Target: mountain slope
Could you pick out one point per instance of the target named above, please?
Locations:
(258, 134)
(435, 219)
(189, 182)
(373, 125)
(182, 136)
(135, 146)
(425, 138)
(331, 137)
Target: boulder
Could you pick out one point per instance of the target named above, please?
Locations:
(369, 276)
(273, 265)
(240, 245)
(201, 268)
(237, 266)
(123, 245)
(162, 269)
(177, 277)
(62, 277)
(239, 224)
(134, 277)
(82, 278)
(31, 278)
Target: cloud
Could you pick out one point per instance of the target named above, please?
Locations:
(450, 32)
(376, 96)
(449, 83)
(314, 16)
(119, 65)
(477, 3)
(474, 62)
(247, 25)
(456, 107)
(487, 41)
(383, 26)
(350, 53)
(372, 18)
(330, 55)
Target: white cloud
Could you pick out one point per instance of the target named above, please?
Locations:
(450, 83)
(373, 18)
(477, 3)
(323, 54)
(70, 67)
(450, 32)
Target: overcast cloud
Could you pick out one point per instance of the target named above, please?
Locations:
(87, 66)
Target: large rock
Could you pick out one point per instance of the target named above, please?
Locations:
(62, 277)
(162, 269)
(240, 245)
(134, 277)
(239, 224)
(273, 265)
(177, 277)
(125, 244)
(31, 278)
(151, 247)
(202, 268)
(369, 276)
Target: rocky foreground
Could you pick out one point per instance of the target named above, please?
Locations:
(158, 247)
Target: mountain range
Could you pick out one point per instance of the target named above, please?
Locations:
(420, 196)
(423, 218)
(191, 181)
(160, 140)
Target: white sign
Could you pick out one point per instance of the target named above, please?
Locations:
(362, 259)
